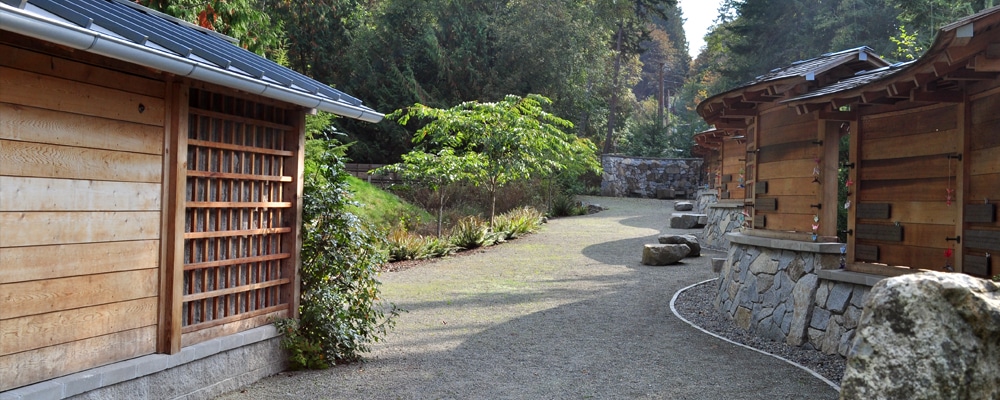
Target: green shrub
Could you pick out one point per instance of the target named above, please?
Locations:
(565, 206)
(469, 233)
(303, 353)
(518, 222)
(403, 245)
(340, 310)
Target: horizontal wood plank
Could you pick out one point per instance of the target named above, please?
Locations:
(866, 252)
(874, 211)
(244, 232)
(783, 117)
(236, 326)
(62, 261)
(791, 222)
(43, 330)
(977, 265)
(879, 232)
(48, 228)
(242, 177)
(985, 161)
(935, 118)
(932, 189)
(39, 297)
(984, 135)
(908, 168)
(801, 168)
(765, 204)
(34, 366)
(925, 144)
(792, 187)
(983, 188)
(30, 124)
(805, 150)
(28, 60)
(53, 161)
(47, 194)
(898, 255)
(42, 91)
(922, 212)
(802, 131)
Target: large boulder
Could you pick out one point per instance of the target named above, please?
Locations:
(690, 240)
(664, 254)
(930, 335)
(687, 221)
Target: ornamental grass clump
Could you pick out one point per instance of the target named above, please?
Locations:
(517, 222)
(470, 233)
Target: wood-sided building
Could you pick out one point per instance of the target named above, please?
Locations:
(772, 158)
(150, 185)
(924, 154)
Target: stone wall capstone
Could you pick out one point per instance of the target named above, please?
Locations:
(643, 177)
(777, 294)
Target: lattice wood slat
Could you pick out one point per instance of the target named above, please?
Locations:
(234, 212)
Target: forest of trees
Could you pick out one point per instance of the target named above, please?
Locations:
(600, 61)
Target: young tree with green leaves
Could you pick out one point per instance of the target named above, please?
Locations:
(436, 172)
(516, 138)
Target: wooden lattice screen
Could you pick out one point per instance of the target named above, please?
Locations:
(239, 228)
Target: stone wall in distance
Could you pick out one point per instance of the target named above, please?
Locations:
(642, 177)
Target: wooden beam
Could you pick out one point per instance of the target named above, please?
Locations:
(837, 103)
(168, 337)
(803, 109)
(874, 96)
(739, 112)
(731, 125)
(837, 115)
(982, 63)
(939, 96)
(970, 75)
(760, 96)
(902, 88)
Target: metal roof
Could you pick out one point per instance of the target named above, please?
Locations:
(858, 80)
(129, 32)
(818, 64)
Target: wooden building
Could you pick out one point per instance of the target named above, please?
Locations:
(150, 185)
(926, 157)
(923, 174)
(771, 158)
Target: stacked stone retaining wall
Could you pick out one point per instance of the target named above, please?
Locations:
(642, 177)
(774, 289)
(723, 218)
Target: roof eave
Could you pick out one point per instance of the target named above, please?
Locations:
(28, 24)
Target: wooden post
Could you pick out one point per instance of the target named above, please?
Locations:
(962, 176)
(829, 133)
(852, 175)
(292, 193)
(172, 217)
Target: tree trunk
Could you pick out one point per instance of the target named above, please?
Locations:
(440, 211)
(609, 140)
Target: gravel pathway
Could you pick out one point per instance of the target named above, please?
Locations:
(567, 313)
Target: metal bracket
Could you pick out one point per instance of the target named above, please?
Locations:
(817, 206)
(955, 156)
(956, 239)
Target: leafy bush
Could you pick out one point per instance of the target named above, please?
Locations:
(303, 353)
(403, 245)
(340, 310)
(469, 233)
(517, 222)
(565, 206)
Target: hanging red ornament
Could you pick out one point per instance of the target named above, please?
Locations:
(948, 253)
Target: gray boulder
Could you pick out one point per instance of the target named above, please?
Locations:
(927, 336)
(690, 240)
(687, 221)
(683, 206)
(664, 254)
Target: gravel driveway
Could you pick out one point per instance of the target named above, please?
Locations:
(568, 313)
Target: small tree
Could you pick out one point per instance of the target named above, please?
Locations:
(515, 137)
(436, 172)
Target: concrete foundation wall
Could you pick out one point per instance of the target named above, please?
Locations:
(201, 371)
